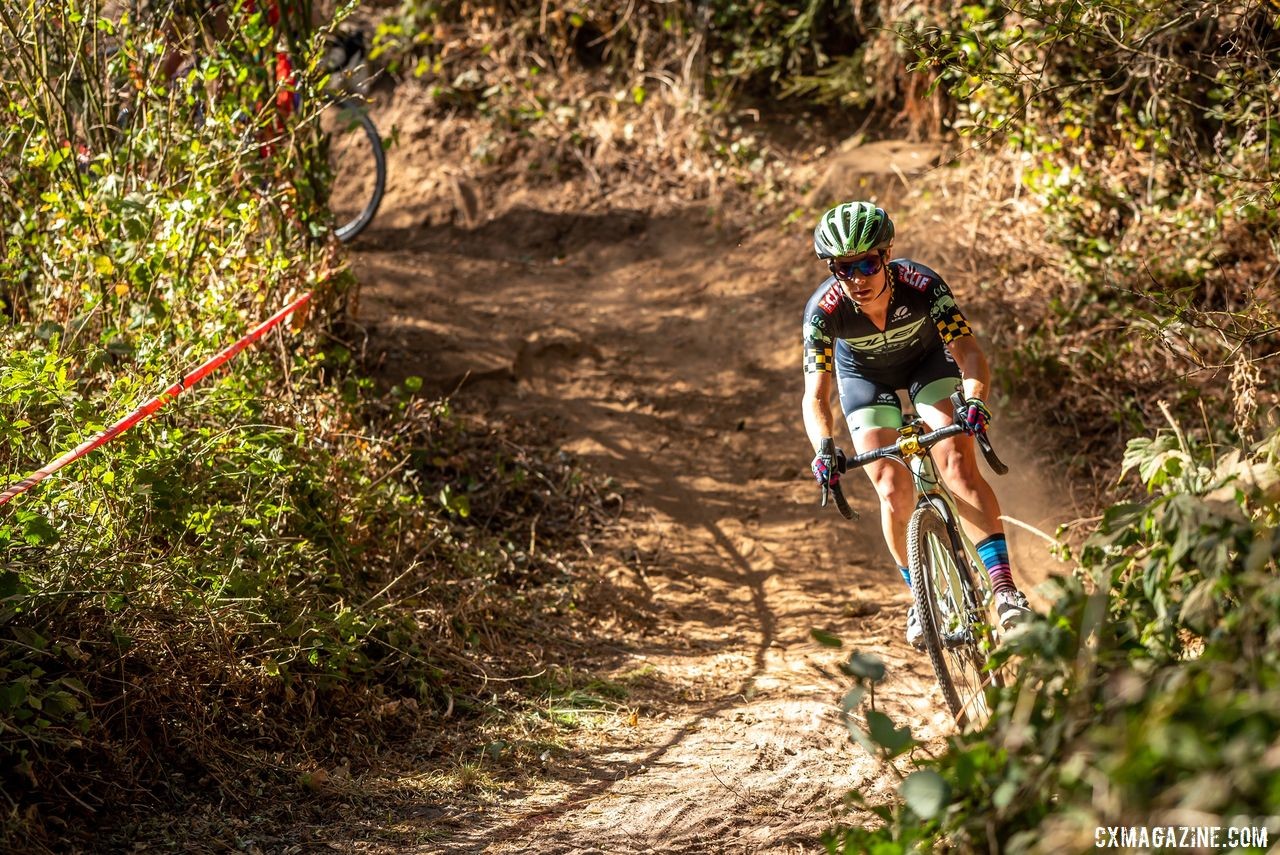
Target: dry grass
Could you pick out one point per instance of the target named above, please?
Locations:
(187, 713)
(1091, 359)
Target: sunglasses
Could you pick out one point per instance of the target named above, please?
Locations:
(864, 267)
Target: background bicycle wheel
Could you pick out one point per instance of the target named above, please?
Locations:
(358, 164)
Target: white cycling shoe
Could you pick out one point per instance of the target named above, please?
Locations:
(1012, 608)
(915, 632)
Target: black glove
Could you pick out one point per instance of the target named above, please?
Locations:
(828, 462)
(974, 415)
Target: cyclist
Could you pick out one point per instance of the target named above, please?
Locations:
(882, 326)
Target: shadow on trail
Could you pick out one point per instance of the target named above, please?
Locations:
(606, 326)
(531, 236)
(673, 499)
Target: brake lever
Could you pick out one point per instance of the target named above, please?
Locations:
(842, 504)
(997, 465)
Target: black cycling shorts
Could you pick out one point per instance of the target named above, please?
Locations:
(870, 398)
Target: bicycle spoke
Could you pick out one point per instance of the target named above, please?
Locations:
(958, 641)
(956, 633)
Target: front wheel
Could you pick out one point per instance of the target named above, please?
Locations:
(358, 165)
(956, 632)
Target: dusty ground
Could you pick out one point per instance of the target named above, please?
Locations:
(663, 352)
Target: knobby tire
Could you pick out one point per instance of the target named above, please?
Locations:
(346, 232)
(934, 560)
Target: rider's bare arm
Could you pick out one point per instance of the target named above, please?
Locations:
(818, 420)
(973, 366)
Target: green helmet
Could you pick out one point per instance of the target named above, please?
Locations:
(851, 229)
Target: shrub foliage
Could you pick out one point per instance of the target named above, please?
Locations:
(281, 566)
(284, 548)
(1146, 695)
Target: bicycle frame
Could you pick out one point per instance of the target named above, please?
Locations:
(929, 486)
(931, 490)
(957, 625)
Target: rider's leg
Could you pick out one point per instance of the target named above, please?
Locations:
(892, 481)
(874, 415)
(893, 486)
(979, 508)
(957, 462)
(933, 382)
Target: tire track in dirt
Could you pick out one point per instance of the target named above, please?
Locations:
(671, 365)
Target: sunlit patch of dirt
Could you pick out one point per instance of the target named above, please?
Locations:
(660, 347)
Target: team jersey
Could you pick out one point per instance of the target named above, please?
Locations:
(923, 316)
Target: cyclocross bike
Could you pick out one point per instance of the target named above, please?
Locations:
(358, 164)
(952, 592)
(352, 146)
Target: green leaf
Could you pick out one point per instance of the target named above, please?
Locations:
(892, 739)
(1117, 524)
(455, 503)
(12, 695)
(10, 584)
(36, 530)
(1004, 794)
(858, 735)
(825, 638)
(926, 792)
(1156, 459)
(852, 699)
(864, 665)
(29, 637)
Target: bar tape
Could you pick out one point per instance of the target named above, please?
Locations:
(151, 406)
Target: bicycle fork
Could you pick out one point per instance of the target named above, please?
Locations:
(934, 494)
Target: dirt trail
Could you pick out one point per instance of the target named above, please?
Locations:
(664, 350)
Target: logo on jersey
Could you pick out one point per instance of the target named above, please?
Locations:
(889, 340)
(816, 330)
(915, 278)
(830, 300)
(901, 313)
(944, 306)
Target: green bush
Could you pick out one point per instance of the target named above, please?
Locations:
(752, 48)
(1144, 131)
(1145, 127)
(282, 555)
(1148, 695)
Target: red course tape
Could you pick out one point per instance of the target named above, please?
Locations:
(151, 406)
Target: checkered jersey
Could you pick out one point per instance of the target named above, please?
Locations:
(923, 315)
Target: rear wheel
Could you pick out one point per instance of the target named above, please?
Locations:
(358, 165)
(954, 619)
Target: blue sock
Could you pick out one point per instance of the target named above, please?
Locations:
(994, 552)
(906, 575)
